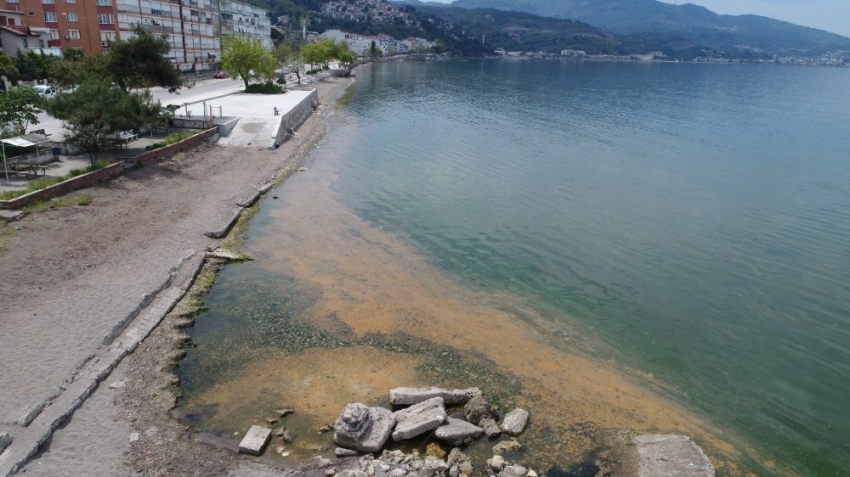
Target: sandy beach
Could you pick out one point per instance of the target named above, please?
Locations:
(70, 273)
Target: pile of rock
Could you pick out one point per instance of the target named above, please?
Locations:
(396, 463)
(367, 429)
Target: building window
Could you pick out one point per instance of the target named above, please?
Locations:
(54, 34)
(103, 3)
(72, 17)
(11, 1)
(155, 11)
(70, 1)
(47, 1)
(105, 19)
(72, 35)
(50, 16)
(107, 36)
(194, 13)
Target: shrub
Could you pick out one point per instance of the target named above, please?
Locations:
(264, 88)
(171, 139)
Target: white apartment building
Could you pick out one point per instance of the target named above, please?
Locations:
(190, 26)
(237, 18)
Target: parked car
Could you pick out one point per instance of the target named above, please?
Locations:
(220, 75)
(45, 90)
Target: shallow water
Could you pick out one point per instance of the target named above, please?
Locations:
(543, 224)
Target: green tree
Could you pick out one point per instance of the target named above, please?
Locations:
(74, 69)
(141, 62)
(19, 107)
(8, 69)
(93, 138)
(247, 58)
(100, 104)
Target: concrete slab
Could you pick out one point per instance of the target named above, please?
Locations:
(255, 439)
(671, 455)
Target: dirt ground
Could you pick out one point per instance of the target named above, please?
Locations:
(70, 273)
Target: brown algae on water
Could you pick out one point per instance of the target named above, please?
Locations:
(386, 317)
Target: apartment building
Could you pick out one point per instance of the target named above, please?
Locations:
(193, 28)
(61, 24)
(238, 18)
(190, 26)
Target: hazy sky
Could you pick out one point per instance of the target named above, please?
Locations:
(829, 15)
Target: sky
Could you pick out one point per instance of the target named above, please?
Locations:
(829, 15)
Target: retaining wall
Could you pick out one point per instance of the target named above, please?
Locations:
(296, 116)
(108, 172)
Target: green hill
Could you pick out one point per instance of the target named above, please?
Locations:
(693, 22)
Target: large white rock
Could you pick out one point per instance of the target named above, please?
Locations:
(671, 455)
(515, 422)
(407, 396)
(419, 418)
(363, 428)
(255, 439)
(455, 431)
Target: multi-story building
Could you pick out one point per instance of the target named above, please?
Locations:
(190, 27)
(69, 23)
(237, 18)
(193, 28)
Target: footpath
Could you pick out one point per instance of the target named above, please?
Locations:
(73, 276)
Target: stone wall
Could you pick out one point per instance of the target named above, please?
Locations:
(296, 116)
(108, 172)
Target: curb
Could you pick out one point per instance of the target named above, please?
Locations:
(54, 411)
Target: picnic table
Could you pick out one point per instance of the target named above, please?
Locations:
(28, 169)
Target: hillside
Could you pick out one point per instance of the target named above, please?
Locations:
(693, 22)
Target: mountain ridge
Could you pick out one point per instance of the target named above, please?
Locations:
(690, 21)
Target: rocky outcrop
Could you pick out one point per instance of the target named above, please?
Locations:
(456, 431)
(363, 428)
(419, 418)
(478, 408)
(515, 422)
(408, 396)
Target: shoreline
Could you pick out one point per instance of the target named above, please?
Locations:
(165, 445)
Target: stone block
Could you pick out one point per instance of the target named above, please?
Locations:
(515, 422)
(255, 439)
(456, 431)
(407, 396)
(5, 441)
(363, 428)
(419, 418)
(671, 455)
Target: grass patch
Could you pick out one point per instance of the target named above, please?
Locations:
(66, 201)
(171, 139)
(6, 232)
(234, 239)
(45, 183)
(264, 88)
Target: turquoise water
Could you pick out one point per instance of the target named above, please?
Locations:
(694, 217)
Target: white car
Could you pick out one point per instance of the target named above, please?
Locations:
(45, 90)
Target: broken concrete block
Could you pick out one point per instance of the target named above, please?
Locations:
(419, 418)
(255, 439)
(363, 428)
(515, 422)
(456, 431)
(671, 455)
(407, 396)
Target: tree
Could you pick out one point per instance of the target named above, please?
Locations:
(247, 58)
(100, 104)
(75, 69)
(141, 62)
(315, 53)
(19, 107)
(8, 69)
(93, 138)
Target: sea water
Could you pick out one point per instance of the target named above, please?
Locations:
(691, 221)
